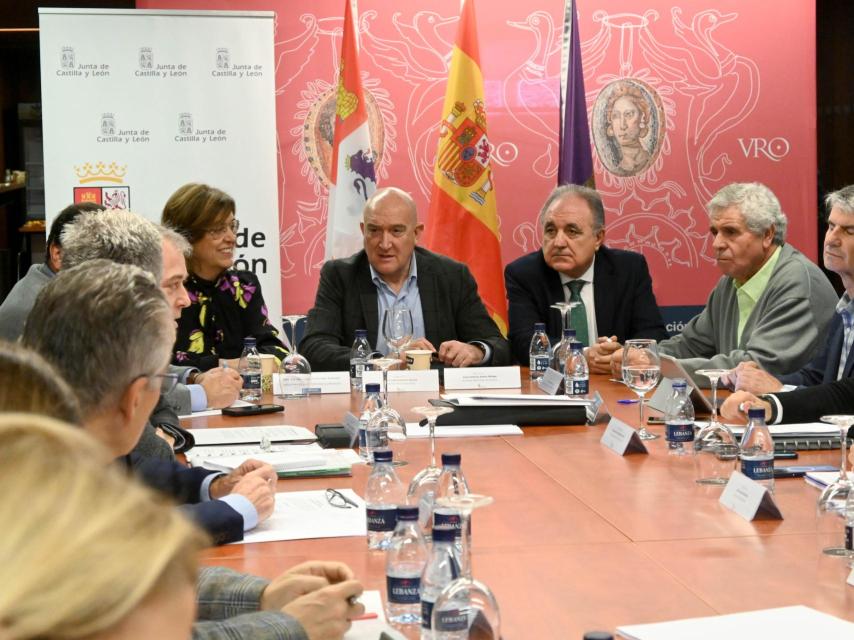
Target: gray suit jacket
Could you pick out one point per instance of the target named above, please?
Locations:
(347, 300)
(782, 333)
(228, 608)
(19, 303)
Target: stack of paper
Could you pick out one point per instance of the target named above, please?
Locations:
(287, 460)
(786, 623)
(251, 435)
(821, 479)
(513, 400)
(415, 430)
(805, 430)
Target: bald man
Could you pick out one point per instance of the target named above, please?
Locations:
(448, 315)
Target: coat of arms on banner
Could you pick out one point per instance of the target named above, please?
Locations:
(185, 123)
(146, 58)
(111, 197)
(108, 124)
(67, 59)
(223, 60)
(465, 150)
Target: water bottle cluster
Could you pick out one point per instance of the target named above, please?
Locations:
(415, 576)
(567, 358)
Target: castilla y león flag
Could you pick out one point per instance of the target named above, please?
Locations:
(352, 170)
(463, 219)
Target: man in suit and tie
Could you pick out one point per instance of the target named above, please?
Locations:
(613, 286)
(835, 359)
(448, 315)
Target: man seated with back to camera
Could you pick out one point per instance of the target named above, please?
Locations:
(448, 315)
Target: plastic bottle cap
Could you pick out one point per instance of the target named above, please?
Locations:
(361, 333)
(407, 512)
(444, 534)
(679, 383)
(249, 340)
(569, 333)
(372, 387)
(576, 346)
(539, 326)
(382, 455)
(452, 459)
(755, 412)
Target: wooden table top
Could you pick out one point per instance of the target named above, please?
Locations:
(579, 538)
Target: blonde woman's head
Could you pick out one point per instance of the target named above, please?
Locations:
(85, 551)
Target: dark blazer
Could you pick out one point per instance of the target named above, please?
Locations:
(823, 368)
(810, 403)
(347, 300)
(183, 484)
(622, 294)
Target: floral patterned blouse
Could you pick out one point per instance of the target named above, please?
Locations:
(220, 315)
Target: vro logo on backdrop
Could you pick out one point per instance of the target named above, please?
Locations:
(223, 59)
(774, 149)
(67, 59)
(185, 124)
(146, 58)
(110, 195)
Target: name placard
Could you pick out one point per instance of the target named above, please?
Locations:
(748, 498)
(405, 380)
(320, 382)
(597, 413)
(851, 578)
(622, 439)
(483, 378)
(352, 424)
(550, 381)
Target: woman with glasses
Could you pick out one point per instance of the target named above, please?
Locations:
(226, 305)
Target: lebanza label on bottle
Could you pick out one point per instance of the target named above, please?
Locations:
(403, 590)
(758, 469)
(448, 521)
(381, 519)
(679, 432)
(251, 380)
(452, 620)
(748, 498)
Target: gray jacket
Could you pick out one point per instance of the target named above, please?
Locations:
(18, 304)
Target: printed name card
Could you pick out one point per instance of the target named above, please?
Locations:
(321, 382)
(748, 498)
(596, 411)
(851, 578)
(405, 380)
(622, 439)
(550, 381)
(483, 378)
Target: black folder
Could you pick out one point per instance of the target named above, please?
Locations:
(538, 416)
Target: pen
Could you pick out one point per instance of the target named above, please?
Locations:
(627, 401)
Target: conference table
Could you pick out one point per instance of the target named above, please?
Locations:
(580, 538)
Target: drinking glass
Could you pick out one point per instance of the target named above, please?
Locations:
(384, 364)
(397, 328)
(641, 372)
(294, 371)
(565, 309)
(422, 488)
(466, 606)
(832, 501)
(713, 375)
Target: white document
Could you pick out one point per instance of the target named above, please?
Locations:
(415, 430)
(622, 439)
(514, 400)
(371, 628)
(304, 515)
(810, 429)
(748, 498)
(215, 412)
(251, 435)
(483, 378)
(282, 458)
(786, 623)
(821, 479)
(424, 381)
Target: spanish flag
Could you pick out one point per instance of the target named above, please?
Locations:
(462, 222)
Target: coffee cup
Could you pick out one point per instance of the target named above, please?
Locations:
(418, 359)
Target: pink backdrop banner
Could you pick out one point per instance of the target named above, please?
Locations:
(722, 101)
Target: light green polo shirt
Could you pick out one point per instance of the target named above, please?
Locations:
(749, 293)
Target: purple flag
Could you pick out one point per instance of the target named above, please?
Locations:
(576, 161)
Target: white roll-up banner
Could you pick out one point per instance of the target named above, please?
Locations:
(137, 103)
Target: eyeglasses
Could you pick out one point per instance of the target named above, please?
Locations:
(218, 232)
(339, 500)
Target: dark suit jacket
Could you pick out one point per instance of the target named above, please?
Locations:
(622, 294)
(183, 484)
(347, 300)
(810, 403)
(823, 368)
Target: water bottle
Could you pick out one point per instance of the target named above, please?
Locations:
(376, 433)
(679, 419)
(451, 482)
(576, 378)
(561, 351)
(404, 564)
(443, 567)
(249, 369)
(383, 495)
(540, 353)
(372, 403)
(757, 450)
(849, 527)
(358, 357)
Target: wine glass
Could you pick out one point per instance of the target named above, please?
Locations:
(384, 364)
(713, 375)
(294, 371)
(565, 309)
(641, 372)
(466, 606)
(422, 488)
(397, 328)
(832, 501)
